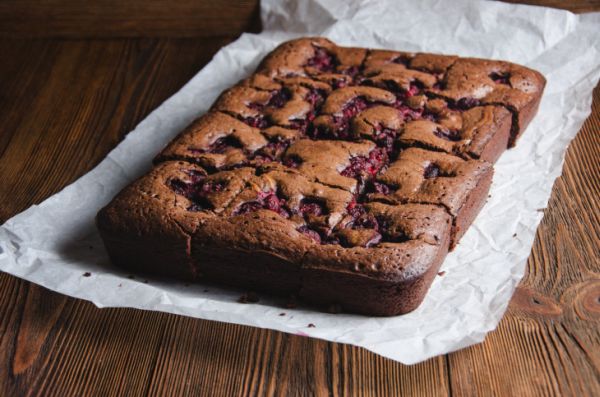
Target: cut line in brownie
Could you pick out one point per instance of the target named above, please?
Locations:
(330, 170)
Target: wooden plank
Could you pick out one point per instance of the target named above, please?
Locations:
(127, 18)
(154, 18)
(578, 6)
(66, 104)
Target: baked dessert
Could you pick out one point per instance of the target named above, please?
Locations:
(339, 175)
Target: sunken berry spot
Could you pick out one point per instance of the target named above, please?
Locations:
(268, 201)
(197, 191)
(195, 175)
(354, 107)
(212, 186)
(351, 71)
(430, 116)
(182, 188)
(449, 135)
(339, 83)
(303, 124)
(323, 60)
(439, 85)
(415, 87)
(385, 138)
(363, 167)
(407, 113)
(312, 206)
(315, 97)
(256, 122)
(402, 94)
(500, 78)
(466, 103)
(402, 60)
(361, 219)
(219, 146)
(431, 171)
(341, 122)
(378, 187)
(316, 237)
(223, 143)
(292, 161)
(272, 150)
(279, 98)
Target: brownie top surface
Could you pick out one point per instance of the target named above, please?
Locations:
(338, 152)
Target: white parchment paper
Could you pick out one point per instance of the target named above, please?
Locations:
(54, 243)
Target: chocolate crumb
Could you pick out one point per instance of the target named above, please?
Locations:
(120, 285)
(87, 274)
(441, 273)
(282, 314)
(515, 235)
(311, 325)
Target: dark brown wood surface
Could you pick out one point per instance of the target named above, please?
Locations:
(64, 103)
(127, 18)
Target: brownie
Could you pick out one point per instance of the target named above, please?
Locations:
(339, 175)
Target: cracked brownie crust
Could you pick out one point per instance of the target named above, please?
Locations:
(340, 175)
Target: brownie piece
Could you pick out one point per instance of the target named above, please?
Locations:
(339, 175)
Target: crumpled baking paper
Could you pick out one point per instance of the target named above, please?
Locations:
(53, 244)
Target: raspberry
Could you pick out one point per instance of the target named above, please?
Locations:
(500, 78)
(323, 61)
(431, 171)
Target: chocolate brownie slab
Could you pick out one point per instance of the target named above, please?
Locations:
(340, 175)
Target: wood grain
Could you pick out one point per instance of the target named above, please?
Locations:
(578, 6)
(155, 18)
(130, 18)
(65, 103)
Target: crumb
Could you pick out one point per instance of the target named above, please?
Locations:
(248, 297)
(120, 285)
(282, 314)
(130, 276)
(489, 196)
(441, 273)
(87, 274)
(540, 209)
(515, 235)
(311, 325)
(334, 308)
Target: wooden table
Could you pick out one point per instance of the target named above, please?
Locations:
(76, 77)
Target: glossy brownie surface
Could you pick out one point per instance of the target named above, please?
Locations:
(341, 175)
